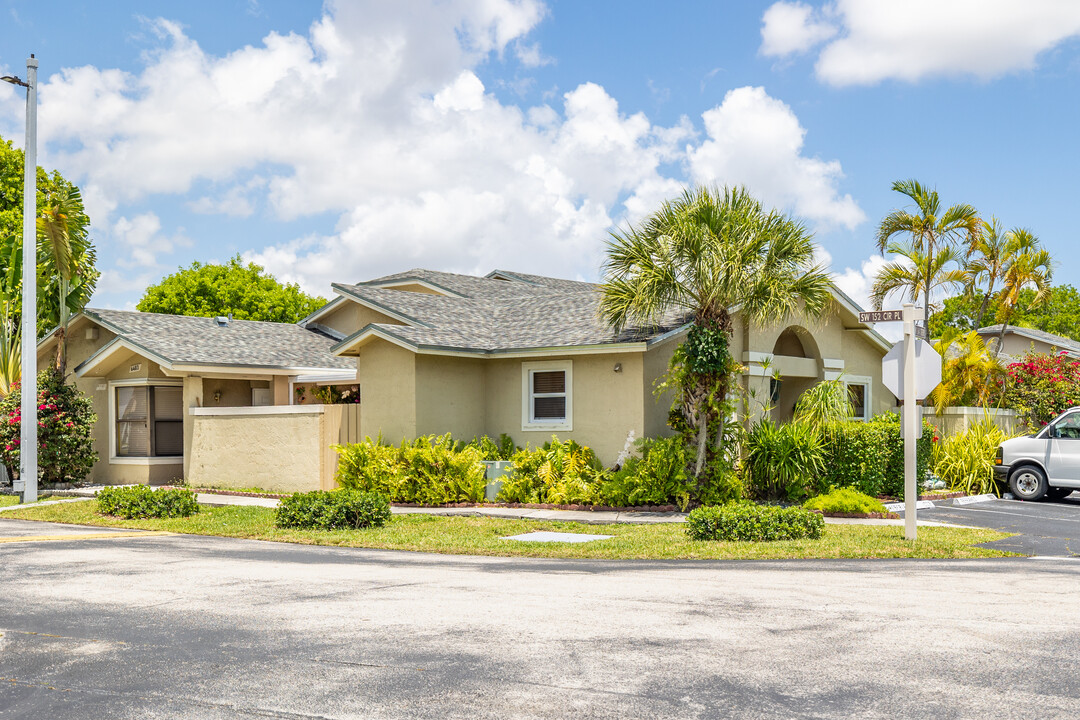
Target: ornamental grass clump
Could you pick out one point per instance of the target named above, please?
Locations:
(746, 522)
(966, 460)
(141, 501)
(332, 510)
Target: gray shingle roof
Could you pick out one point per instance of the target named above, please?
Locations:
(1058, 341)
(201, 341)
(501, 312)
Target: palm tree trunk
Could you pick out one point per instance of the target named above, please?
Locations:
(985, 302)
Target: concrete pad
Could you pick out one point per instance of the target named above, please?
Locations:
(545, 536)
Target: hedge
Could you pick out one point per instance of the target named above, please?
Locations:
(746, 522)
(140, 501)
(332, 510)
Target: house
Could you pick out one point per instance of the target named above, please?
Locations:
(222, 402)
(1019, 340)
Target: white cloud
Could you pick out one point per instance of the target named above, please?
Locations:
(757, 141)
(377, 116)
(792, 27)
(138, 241)
(911, 40)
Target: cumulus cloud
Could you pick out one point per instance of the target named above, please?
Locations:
(141, 241)
(756, 140)
(792, 27)
(910, 40)
(377, 117)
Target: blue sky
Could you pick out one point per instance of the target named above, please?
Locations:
(343, 141)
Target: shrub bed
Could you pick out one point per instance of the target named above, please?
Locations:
(869, 457)
(332, 510)
(430, 470)
(140, 501)
(753, 523)
(845, 501)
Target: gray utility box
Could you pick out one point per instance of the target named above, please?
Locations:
(496, 471)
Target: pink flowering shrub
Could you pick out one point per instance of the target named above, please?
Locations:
(1040, 387)
(65, 419)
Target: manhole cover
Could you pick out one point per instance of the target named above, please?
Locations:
(546, 536)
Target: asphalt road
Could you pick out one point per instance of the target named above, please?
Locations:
(1046, 528)
(193, 627)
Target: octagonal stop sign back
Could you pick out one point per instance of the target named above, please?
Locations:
(927, 369)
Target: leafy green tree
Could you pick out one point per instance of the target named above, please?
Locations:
(705, 253)
(1059, 314)
(59, 199)
(930, 230)
(246, 291)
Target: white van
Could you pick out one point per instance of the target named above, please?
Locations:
(1046, 464)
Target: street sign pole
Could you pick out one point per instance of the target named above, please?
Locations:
(911, 418)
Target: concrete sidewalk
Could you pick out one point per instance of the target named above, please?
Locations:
(598, 517)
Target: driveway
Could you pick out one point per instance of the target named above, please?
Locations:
(195, 627)
(1047, 528)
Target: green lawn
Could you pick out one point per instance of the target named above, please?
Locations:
(483, 536)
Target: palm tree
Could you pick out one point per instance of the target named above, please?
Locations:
(705, 253)
(986, 259)
(907, 274)
(969, 371)
(1028, 265)
(929, 230)
(65, 251)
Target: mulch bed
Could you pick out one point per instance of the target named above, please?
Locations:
(532, 506)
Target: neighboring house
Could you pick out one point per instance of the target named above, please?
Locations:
(1019, 340)
(432, 353)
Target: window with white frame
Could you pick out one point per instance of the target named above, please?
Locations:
(547, 396)
(859, 393)
(149, 421)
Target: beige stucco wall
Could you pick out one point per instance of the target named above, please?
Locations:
(350, 316)
(654, 366)
(450, 394)
(1017, 345)
(280, 452)
(606, 404)
(387, 376)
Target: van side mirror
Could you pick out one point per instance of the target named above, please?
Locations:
(1052, 432)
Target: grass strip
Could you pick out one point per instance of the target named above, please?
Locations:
(484, 536)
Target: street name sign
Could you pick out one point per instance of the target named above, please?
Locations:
(881, 316)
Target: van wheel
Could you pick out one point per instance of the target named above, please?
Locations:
(1059, 493)
(1028, 483)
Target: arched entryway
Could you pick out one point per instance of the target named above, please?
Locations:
(797, 361)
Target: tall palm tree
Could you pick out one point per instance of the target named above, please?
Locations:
(987, 257)
(930, 230)
(705, 253)
(65, 246)
(1028, 265)
(908, 272)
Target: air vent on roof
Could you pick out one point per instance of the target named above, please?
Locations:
(223, 321)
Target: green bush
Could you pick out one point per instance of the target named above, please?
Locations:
(869, 457)
(140, 501)
(426, 471)
(966, 461)
(845, 500)
(658, 477)
(746, 522)
(894, 468)
(559, 472)
(332, 510)
(503, 449)
(783, 461)
(65, 421)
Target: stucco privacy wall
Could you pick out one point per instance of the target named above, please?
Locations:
(284, 449)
